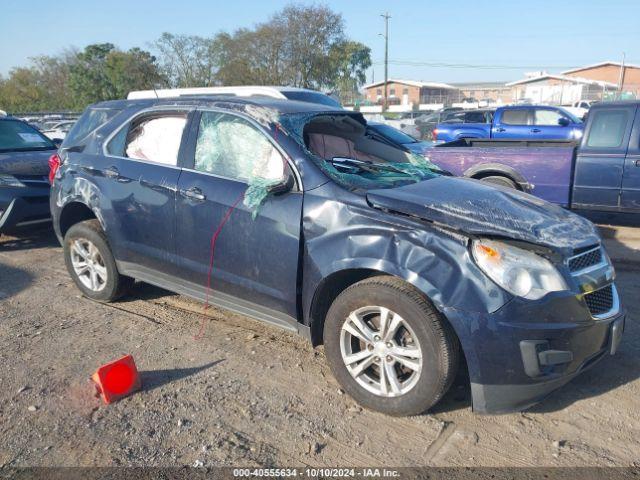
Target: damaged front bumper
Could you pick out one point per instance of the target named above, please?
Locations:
(23, 206)
(514, 364)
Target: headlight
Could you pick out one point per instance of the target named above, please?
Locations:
(518, 271)
(10, 181)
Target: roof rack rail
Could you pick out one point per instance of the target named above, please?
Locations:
(239, 91)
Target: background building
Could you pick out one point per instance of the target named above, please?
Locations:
(542, 87)
(626, 76)
(602, 81)
(410, 94)
(490, 92)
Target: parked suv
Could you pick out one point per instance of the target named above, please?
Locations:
(289, 213)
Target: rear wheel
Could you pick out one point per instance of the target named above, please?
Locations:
(502, 181)
(91, 264)
(389, 348)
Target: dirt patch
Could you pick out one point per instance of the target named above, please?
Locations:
(249, 394)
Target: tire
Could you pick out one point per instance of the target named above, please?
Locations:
(88, 240)
(416, 390)
(501, 181)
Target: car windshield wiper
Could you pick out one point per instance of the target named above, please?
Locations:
(363, 165)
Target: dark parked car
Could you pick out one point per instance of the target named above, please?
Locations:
(471, 116)
(24, 187)
(287, 212)
(398, 137)
(426, 123)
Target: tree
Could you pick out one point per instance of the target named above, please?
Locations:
(252, 57)
(309, 32)
(53, 77)
(187, 60)
(132, 70)
(300, 46)
(88, 79)
(101, 72)
(349, 63)
(40, 86)
(21, 92)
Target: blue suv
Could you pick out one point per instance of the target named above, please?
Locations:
(292, 214)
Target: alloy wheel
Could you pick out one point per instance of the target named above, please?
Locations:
(381, 351)
(88, 264)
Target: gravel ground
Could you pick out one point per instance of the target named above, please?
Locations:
(248, 394)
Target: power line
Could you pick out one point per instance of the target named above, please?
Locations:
(412, 63)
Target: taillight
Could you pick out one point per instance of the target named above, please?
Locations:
(434, 134)
(54, 165)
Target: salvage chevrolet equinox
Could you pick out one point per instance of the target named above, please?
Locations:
(294, 214)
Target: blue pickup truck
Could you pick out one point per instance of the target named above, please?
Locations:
(534, 122)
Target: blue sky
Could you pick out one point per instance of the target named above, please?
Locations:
(524, 35)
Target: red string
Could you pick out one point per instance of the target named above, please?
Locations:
(214, 237)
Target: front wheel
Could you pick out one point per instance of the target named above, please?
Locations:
(389, 348)
(501, 181)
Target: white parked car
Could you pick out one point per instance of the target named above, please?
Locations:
(580, 108)
(59, 129)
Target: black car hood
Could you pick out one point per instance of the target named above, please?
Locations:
(25, 163)
(477, 208)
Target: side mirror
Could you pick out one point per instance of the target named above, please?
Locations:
(563, 122)
(57, 142)
(286, 185)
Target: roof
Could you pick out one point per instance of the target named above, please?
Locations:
(412, 83)
(479, 85)
(565, 78)
(601, 64)
(222, 101)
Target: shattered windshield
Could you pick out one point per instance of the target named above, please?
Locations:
(338, 144)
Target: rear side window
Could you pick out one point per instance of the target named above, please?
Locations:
(155, 139)
(608, 128)
(547, 117)
(474, 117)
(515, 117)
(232, 147)
(91, 120)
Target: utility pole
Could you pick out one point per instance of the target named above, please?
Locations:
(386, 17)
(621, 79)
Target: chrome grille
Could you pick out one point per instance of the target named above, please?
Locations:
(601, 301)
(585, 260)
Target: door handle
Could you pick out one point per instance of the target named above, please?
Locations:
(193, 193)
(637, 163)
(500, 129)
(111, 172)
(535, 130)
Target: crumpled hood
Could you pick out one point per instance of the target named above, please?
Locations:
(25, 163)
(477, 208)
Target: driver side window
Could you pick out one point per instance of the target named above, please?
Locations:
(231, 147)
